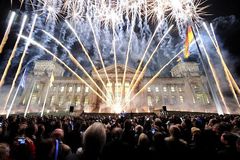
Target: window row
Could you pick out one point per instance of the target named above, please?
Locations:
(172, 88)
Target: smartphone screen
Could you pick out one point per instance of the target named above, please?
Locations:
(21, 140)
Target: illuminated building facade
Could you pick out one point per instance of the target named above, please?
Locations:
(185, 90)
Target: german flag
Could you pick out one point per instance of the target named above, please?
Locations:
(189, 39)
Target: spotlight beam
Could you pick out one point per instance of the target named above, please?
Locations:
(64, 64)
(213, 71)
(145, 67)
(127, 54)
(144, 54)
(154, 77)
(19, 66)
(74, 60)
(86, 53)
(224, 63)
(13, 52)
(98, 49)
(225, 68)
(115, 54)
(5, 37)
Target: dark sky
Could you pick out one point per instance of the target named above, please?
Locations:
(230, 37)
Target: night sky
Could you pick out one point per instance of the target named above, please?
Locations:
(229, 34)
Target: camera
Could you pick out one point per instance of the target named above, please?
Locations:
(21, 140)
(153, 130)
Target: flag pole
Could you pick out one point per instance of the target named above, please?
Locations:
(29, 100)
(212, 89)
(15, 95)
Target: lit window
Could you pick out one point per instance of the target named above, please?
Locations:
(78, 89)
(34, 99)
(87, 89)
(157, 89)
(157, 99)
(62, 89)
(149, 100)
(172, 89)
(86, 101)
(164, 89)
(207, 100)
(180, 89)
(70, 89)
(181, 99)
(149, 89)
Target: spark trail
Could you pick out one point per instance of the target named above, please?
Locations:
(13, 52)
(75, 61)
(5, 37)
(64, 64)
(20, 66)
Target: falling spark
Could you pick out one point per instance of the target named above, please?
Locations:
(13, 52)
(5, 37)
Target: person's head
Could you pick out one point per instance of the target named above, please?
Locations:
(174, 131)
(127, 125)
(94, 138)
(138, 129)
(229, 138)
(4, 151)
(22, 129)
(117, 133)
(143, 140)
(58, 134)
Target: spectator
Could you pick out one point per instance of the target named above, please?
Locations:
(4, 151)
(94, 140)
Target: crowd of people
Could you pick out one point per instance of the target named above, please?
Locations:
(107, 137)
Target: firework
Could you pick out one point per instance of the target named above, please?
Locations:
(5, 37)
(19, 67)
(64, 64)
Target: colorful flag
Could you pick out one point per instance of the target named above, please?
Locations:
(189, 39)
(51, 80)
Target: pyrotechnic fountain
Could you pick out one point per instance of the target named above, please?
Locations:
(113, 32)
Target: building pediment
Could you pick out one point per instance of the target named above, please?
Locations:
(111, 72)
(120, 69)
